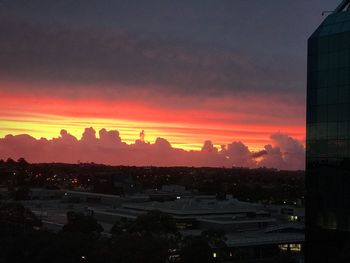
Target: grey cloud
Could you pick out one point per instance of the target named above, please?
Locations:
(176, 46)
(192, 59)
(259, 154)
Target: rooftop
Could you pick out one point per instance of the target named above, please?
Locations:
(188, 207)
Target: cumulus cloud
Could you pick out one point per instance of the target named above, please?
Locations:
(287, 153)
(67, 138)
(284, 152)
(273, 157)
(208, 146)
(162, 144)
(239, 154)
(89, 135)
(293, 151)
(108, 138)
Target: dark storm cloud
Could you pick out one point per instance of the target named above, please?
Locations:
(176, 46)
(35, 52)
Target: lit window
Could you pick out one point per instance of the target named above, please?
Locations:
(283, 247)
(290, 247)
(295, 247)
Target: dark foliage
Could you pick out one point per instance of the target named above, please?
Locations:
(80, 223)
(155, 222)
(20, 193)
(132, 248)
(196, 250)
(16, 219)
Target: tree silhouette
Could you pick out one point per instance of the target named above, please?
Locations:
(195, 250)
(134, 248)
(155, 222)
(80, 223)
(16, 219)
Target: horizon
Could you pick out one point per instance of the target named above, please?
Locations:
(21, 159)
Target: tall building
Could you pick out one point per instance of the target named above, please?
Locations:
(328, 140)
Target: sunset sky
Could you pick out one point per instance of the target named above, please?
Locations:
(187, 71)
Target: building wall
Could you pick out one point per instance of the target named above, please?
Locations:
(328, 139)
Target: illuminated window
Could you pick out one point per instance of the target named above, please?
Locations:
(290, 247)
(295, 247)
(283, 247)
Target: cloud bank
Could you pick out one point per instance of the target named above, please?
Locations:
(284, 152)
(182, 47)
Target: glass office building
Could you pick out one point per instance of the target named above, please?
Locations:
(328, 140)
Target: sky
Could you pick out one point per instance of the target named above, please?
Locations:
(192, 74)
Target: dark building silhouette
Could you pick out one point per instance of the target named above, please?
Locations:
(328, 140)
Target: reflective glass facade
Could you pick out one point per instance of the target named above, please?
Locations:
(328, 140)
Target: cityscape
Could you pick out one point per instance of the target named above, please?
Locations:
(174, 132)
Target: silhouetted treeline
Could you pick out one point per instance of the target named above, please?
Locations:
(266, 185)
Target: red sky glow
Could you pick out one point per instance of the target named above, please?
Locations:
(219, 120)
